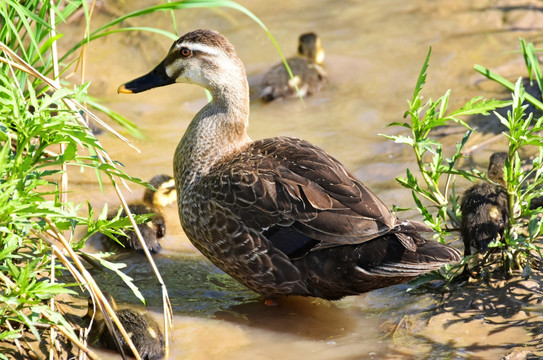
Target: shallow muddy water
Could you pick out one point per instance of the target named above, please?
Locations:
(375, 50)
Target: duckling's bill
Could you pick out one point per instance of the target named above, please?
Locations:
(156, 78)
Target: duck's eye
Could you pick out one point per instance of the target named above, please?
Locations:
(185, 52)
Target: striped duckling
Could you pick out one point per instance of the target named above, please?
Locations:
(307, 71)
(152, 203)
(142, 329)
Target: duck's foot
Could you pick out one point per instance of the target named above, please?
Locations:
(271, 302)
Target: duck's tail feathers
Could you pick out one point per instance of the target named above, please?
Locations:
(348, 270)
(428, 256)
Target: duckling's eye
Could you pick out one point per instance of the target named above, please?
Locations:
(185, 52)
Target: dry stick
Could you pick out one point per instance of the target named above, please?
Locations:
(168, 315)
(85, 278)
(83, 336)
(17, 343)
(73, 339)
(81, 58)
(76, 274)
(88, 279)
(52, 332)
(79, 277)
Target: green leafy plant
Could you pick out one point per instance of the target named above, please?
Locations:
(435, 195)
(524, 183)
(436, 189)
(42, 134)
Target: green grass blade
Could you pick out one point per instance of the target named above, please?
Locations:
(421, 80)
(532, 62)
(506, 83)
(23, 15)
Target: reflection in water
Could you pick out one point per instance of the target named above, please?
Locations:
(295, 315)
(375, 49)
(216, 312)
(196, 287)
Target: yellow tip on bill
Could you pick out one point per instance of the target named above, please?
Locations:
(123, 90)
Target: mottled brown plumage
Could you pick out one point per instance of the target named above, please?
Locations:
(280, 215)
(142, 329)
(485, 208)
(307, 71)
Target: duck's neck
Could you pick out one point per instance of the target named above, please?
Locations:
(218, 130)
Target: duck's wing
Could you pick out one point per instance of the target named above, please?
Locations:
(300, 197)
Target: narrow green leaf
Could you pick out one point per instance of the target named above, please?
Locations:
(116, 268)
(421, 80)
(509, 85)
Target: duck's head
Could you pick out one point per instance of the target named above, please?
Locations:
(310, 46)
(202, 57)
(165, 193)
(496, 167)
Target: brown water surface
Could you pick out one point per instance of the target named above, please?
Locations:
(375, 50)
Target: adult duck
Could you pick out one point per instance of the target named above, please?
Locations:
(280, 215)
(307, 71)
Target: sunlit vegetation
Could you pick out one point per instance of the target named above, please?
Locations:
(43, 132)
(434, 189)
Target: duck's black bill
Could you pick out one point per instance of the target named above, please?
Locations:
(157, 77)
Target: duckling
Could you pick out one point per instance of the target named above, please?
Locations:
(142, 329)
(280, 215)
(153, 203)
(307, 71)
(485, 208)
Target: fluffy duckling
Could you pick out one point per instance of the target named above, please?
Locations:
(308, 73)
(142, 329)
(153, 203)
(485, 208)
(280, 215)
